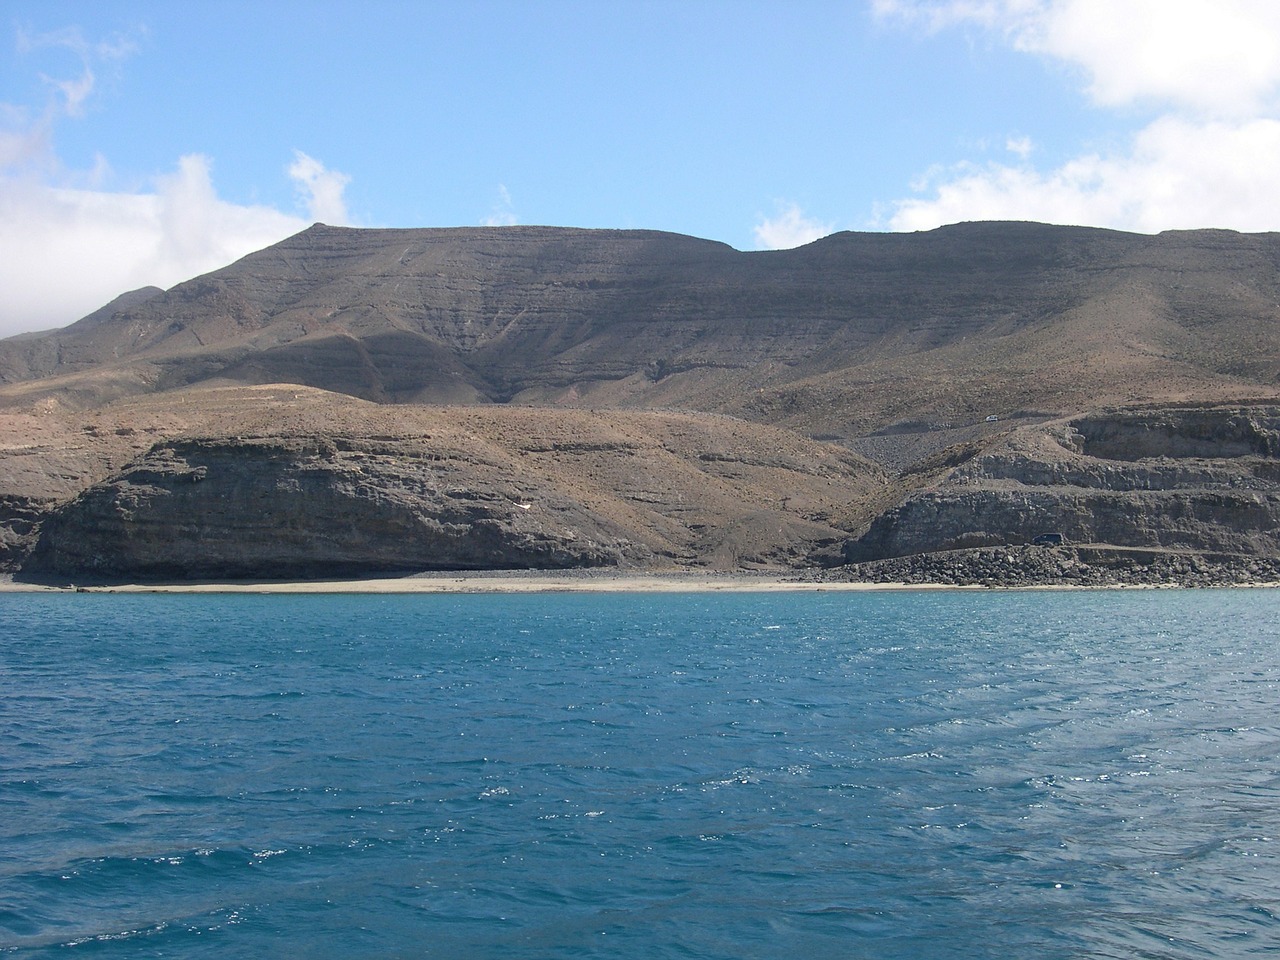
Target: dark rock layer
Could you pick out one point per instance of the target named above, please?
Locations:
(1034, 566)
(289, 482)
(1172, 479)
(300, 508)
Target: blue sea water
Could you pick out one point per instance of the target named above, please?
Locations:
(853, 775)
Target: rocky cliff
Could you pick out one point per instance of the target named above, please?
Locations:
(292, 507)
(275, 482)
(1180, 479)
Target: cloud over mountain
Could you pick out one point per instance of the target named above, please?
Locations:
(70, 240)
(790, 227)
(1208, 71)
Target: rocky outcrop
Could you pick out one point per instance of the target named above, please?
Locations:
(308, 507)
(20, 519)
(1039, 566)
(1220, 522)
(290, 482)
(1179, 433)
(1205, 479)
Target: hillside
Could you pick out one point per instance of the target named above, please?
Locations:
(351, 401)
(288, 481)
(846, 336)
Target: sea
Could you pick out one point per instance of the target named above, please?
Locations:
(906, 774)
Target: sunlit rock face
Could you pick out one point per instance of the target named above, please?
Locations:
(1192, 479)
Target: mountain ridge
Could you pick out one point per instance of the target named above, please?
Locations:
(639, 319)
(938, 380)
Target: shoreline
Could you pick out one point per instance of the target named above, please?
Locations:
(494, 582)
(568, 581)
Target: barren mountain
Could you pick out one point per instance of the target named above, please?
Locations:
(848, 335)
(360, 400)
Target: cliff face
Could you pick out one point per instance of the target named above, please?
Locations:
(1175, 479)
(272, 482)
(299, 508)
(1217, 522)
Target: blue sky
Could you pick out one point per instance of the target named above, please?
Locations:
(148, 142)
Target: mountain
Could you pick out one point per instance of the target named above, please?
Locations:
(864, 398)
(846, 336)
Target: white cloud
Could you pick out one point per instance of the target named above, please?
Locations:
(25, 144)
(65, 252)
(76, 90)
(69, 244)
(319, 189)
(789, 228)
(1022, 146)
(1212, 67)
(503, 213)
(935, 15)
(1217, 56)
(1178, 175)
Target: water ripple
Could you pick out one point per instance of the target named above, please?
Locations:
(948, 775)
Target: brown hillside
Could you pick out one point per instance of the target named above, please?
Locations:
(276, 481)
(545, 397)
(843, 337)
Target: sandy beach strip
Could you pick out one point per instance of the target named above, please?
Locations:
(562, 581)
(542, 581)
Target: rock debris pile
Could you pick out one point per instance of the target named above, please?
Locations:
(1029, 566)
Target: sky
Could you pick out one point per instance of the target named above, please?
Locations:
(144, 142)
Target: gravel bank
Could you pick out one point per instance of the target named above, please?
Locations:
(1083, 566)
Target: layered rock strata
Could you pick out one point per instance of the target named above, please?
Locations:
(298, 483)
(307, 507)
(852, 334)
(1198, 479)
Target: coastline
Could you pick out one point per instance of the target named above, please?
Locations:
(506, 581)
(564, 581)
